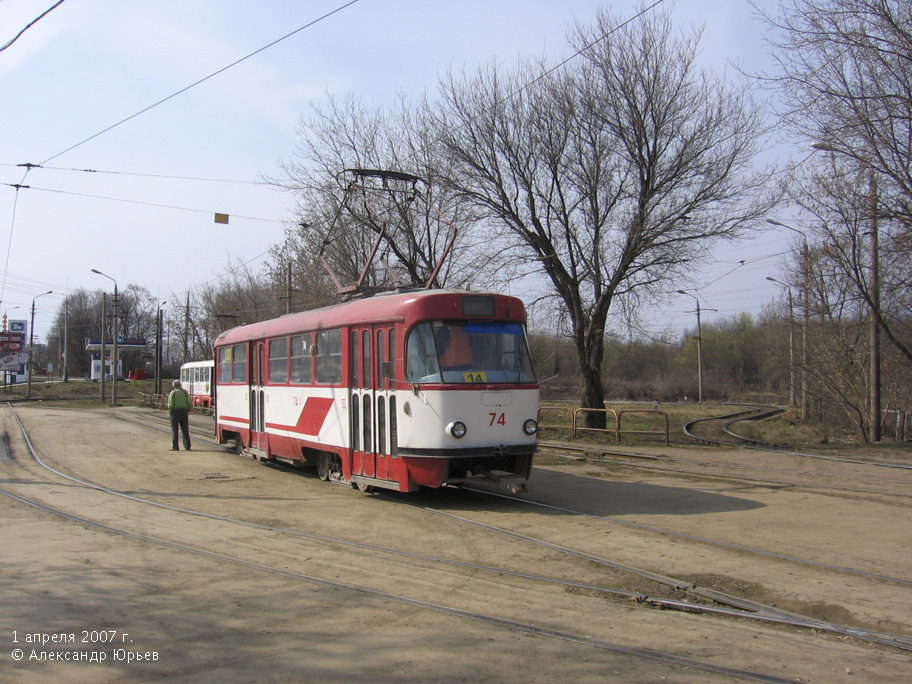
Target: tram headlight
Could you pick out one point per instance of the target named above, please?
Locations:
(530, 427)
(457, 428)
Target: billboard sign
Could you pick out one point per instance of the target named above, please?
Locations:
(11, 347)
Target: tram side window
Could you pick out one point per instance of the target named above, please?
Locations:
(301, 360)
(239, 364)
(278, 361)
(224, 365)
(329, 357)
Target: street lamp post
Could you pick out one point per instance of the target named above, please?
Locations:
(805, 306)
(159, 328)
(116, 361)
(791, 341)
(66, 329)
(6, 311)
(28, 368)
(699, 347)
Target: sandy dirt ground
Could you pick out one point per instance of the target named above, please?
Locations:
(250, 573)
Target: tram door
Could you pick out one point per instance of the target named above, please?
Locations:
(257, 402)
(371, 385)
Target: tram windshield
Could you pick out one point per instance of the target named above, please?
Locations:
(468, 352)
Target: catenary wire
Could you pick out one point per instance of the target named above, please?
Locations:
(128, 201)
(202, 80)
(30, 24)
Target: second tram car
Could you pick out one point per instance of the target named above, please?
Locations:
(400, 390)
(196, 378)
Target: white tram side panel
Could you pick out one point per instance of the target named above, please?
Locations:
(281, 419)
(314, 414)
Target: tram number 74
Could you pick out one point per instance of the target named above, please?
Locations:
(498, 418)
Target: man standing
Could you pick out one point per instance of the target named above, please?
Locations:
(179, 406)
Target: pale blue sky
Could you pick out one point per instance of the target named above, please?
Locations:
(90, 63)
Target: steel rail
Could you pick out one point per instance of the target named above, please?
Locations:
(657, 464)
(705, 540)
(748, 609)
(898, 641)
(646, 653)
(765, 446)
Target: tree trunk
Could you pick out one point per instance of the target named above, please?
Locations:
(590, 346)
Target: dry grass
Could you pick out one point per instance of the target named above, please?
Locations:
(79, 393)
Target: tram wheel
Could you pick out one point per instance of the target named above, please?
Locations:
(323, 466)
(366, 488)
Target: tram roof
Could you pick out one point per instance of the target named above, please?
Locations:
(396, 306)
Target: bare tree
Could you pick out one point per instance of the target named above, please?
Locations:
(845, 72)
(613, 175)
(76, 319)
(844, 216)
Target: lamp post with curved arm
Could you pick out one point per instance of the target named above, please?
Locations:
(5, 311)
(791, 340)
(159, 329)
(699, 347)
(805, 307)
(116, 361)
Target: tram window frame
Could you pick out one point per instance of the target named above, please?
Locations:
(278, 364)
(301, 365)
(224, 365)
(239, 364)
(328, 359)
(382, 378)
(392, 358)
(366, 366)
(354, 360)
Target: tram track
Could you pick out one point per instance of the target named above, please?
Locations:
(735, 607)
(753, 474)
(364, 590)
(758, 413)
(720, 431)
(676, 584)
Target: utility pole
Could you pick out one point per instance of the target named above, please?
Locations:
(116, 359)
(288, 290)
(791, 342)
(875, 417)
(28, 368)
(104, 334)
(66, 328)
(187, 330)
(116, 355)
(699, 347)
(805, 306)
(159, 335)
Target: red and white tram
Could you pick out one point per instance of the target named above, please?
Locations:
(196, 378)
(400, 390)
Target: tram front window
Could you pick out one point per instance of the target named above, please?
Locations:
(468, 352)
